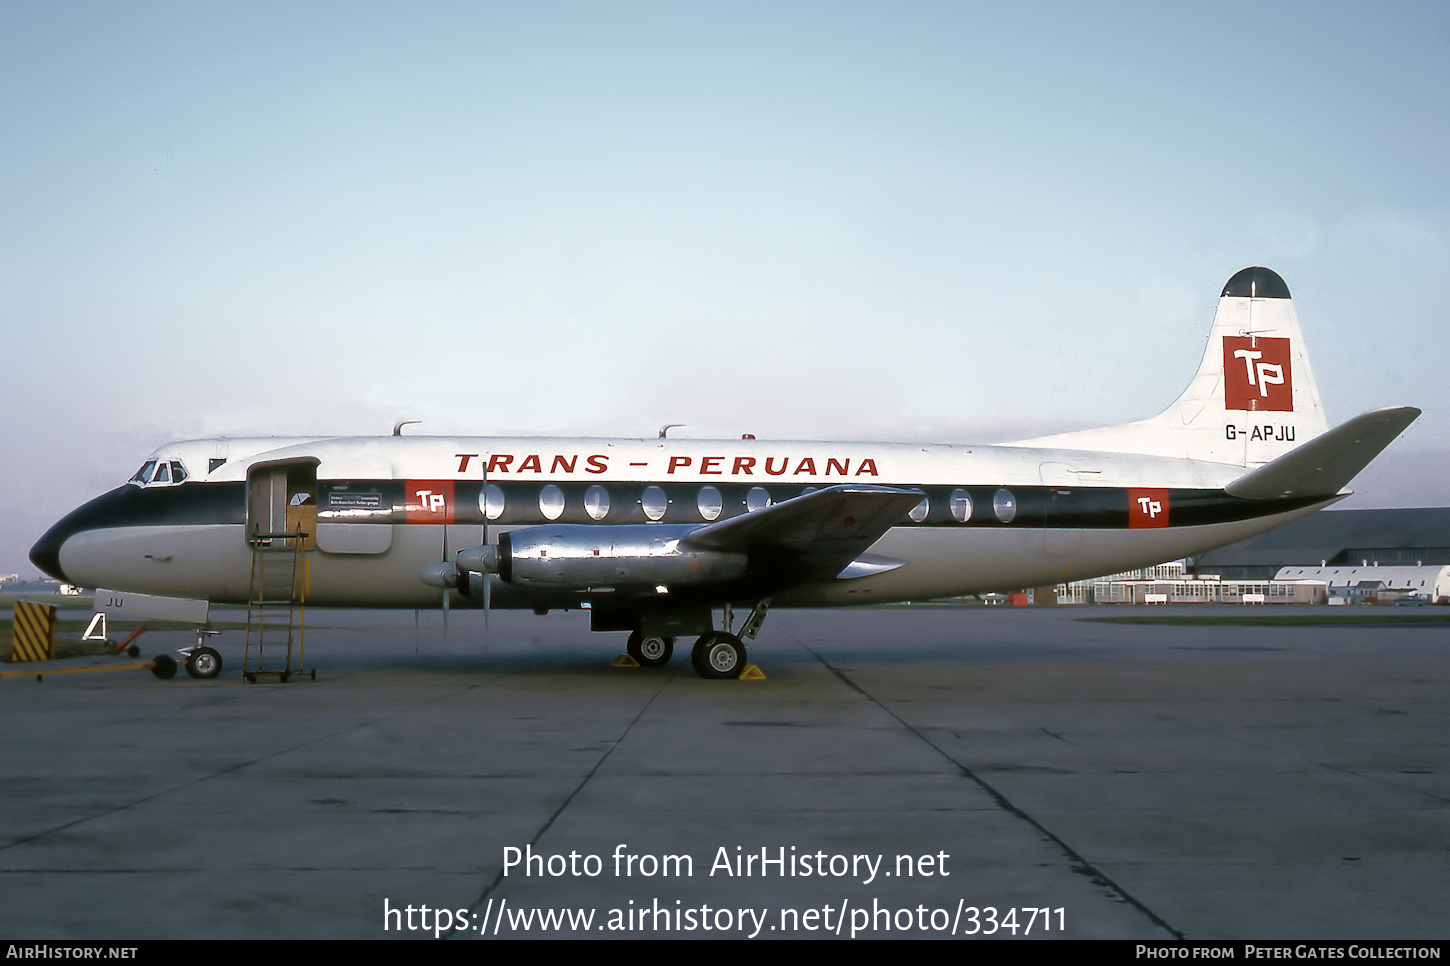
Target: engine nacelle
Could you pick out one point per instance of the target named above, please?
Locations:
(575, 556)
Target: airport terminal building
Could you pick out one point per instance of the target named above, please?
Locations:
(1335, 556)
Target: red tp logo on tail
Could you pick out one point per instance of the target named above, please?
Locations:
(1256, 375)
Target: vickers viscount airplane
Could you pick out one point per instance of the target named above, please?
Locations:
(656, 535)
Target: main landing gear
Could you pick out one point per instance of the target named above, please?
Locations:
(650, 650)
(718, 655)
(721, 655)
(715, 655)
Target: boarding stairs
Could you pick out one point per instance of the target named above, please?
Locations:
(276, 629)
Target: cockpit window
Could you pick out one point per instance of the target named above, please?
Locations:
(159, 472)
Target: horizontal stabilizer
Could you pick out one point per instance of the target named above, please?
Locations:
(1322, 466)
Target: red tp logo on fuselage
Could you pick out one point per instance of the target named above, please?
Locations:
(428, 501)
(1147, 507)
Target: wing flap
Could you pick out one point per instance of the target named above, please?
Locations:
(1322, 466)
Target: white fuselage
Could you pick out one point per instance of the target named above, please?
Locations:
(383, 508)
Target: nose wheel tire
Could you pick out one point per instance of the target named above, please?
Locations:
(163, 667)
(718, 656)
(650, 650)
(204, 662)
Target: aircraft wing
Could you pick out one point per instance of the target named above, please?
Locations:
(1322, 466)
(815, 535)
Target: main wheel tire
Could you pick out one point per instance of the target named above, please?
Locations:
(697, 654)
(163, 666)
(204, 662)
(718, 656)
(650, 650)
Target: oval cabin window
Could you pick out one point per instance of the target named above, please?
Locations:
(551, 502)
(1004, 505)
(710, 503)
(491, 502)
(596, 502)
(654, 502)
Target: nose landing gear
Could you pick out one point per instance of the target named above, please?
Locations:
(203, 662)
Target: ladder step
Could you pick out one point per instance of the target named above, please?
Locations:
(274, 610)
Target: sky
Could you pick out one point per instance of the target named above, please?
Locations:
(949, 222)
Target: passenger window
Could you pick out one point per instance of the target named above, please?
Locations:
(1004, 505)
(710, 503)
(491, 502)
(596, 502)
(654, 502)
(918, 513)
(551, 502)
(961, 506)
(757, 499)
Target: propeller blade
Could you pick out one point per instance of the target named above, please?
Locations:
(487, 584)
(443, 562)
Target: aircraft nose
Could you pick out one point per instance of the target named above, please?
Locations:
(46, 552)
(103, 511)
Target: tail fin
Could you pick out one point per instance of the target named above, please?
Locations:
(1252, 400)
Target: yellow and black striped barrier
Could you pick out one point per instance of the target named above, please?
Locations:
(33, 632)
